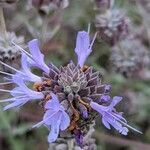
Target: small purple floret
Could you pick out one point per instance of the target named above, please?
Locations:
(38, 57)
(105, 98)
(21, 95)
(110, 117)
(55, 118)
(83, 47)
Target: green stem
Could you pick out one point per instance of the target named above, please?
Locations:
(2, 24)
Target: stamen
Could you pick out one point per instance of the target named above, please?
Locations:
(93, 40)
(5, 73)
(10, 99)
(5, 83)
(38, 124)
(11, 67)
(3, 90)
(89, 27)
(22, 50)
(43, 121)
(125, 124)
(7, 100)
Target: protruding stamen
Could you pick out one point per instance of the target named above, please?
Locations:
(11, 67)
(89, 27)
(22, 50)
(125, 124)
(5, 83)
(93, 40)
(10, 99)
(5, 73)
(9, 91)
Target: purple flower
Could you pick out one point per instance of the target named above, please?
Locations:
(111, 117)
(107, 88)
(105, 98)
(78, 137)
(83, 46)
(21, 95)
(54, 118)
(26, 73)
(26, 70)
(37, 56)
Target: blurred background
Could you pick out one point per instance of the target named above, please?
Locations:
(121, 53)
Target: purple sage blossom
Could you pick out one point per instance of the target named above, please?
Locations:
(21, 95)
(26, 73)
(55, 118)
(83, 46)
(37, 56)
(111, 117)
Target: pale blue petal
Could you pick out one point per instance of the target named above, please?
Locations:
(48, 120)
(117, 125)
(17, 103)
(7, 100)
(83, 48)
(106, 124)
(124, 131)
(65, 121)
(54, 132)
(49, 113)
(53, 102)
(37, 55)
(24, 90)
(17, 91)
(98, 108)
(119, 116)
(82, 43)
(115, 101)
(30, 76)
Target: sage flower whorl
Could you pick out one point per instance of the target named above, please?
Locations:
(72, 95)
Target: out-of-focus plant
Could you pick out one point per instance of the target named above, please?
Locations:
(130, 57)
(112, 24)
(42, 19)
